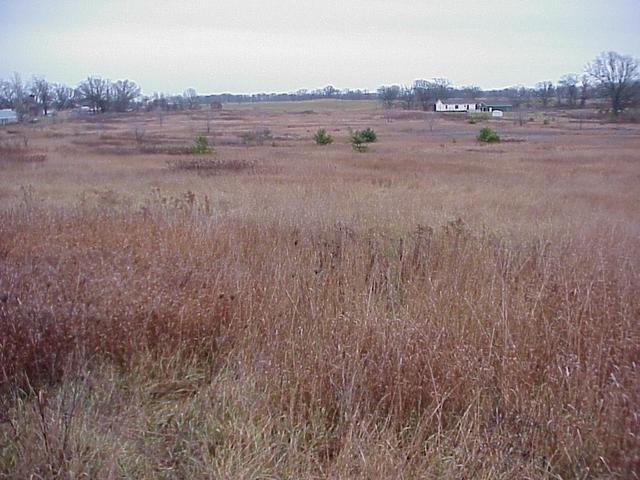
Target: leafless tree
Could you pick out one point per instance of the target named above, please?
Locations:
(96, 92)
(584, 90)
(544, 91)
(42, 92)
(123, 92)
(615, 76)
(191, 97)
(406, 97)
(62, 96)
(568, 89)
(427, 91)
(388, 95)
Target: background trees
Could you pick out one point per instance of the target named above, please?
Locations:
(42, 93)
(544, 91)
(96, 93)
(616, 78)
(123, 93)
(611, 79)
(388, 95)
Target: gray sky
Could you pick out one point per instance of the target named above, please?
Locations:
(268, 45)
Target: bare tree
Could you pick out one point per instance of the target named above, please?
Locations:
(388, 95)
(584, 90)
(427, 91)
(191, 97)
(544, 91)
(406, 97)
(96, 92)
(42, 92)
(5, 94)
(422, 96)
(62, 96)
(615, 76)
(123, 92)
(441, 88)
(567, 88)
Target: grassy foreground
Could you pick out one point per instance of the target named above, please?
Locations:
(169, 343)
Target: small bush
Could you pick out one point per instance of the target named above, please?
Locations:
(202, 146)
(369, 135)
(358, 142)
(321, 137)
(487, 135)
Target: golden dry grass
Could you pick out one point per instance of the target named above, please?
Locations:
(430, 309)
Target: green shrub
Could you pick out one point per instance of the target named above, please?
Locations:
(202, 146)
(358, 142)
(488, 135)
(369, 135)
(321, 137)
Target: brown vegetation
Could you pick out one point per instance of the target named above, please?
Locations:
(417, 311)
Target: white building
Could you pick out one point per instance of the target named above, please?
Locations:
(8, 116)
(457, 107)
(463, 106)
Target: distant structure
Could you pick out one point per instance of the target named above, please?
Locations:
(8, 116)
(462, 106)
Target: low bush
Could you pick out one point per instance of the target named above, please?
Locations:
(321, 137)
(202, 146)
(369, 135)
(358, 142)
(487, 135)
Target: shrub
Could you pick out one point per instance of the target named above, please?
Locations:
(488, 135)
(358, 142)
(202, 146)
(321, 137)
(369, 135)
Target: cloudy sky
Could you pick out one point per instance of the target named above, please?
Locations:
(283, 45)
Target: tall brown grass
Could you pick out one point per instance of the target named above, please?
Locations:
(170, 343)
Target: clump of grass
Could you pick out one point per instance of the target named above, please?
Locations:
(210, 165)
(19, 153)
(321, 137)
(488, 135)
(256, 136)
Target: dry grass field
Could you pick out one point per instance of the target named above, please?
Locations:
(432, 308)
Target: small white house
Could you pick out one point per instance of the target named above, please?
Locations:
(457, 107)
(462, 106)
(8, 116)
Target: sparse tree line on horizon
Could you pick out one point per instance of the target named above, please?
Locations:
(612, 77)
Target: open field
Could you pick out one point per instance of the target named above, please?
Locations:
(432, 308)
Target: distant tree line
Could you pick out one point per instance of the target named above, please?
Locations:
(611, 78)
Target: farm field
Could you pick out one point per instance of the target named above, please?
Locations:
(431, 308)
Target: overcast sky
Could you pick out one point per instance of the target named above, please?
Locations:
(283, 45)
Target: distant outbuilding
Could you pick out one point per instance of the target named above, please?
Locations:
(465, 106)
(8, 116)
